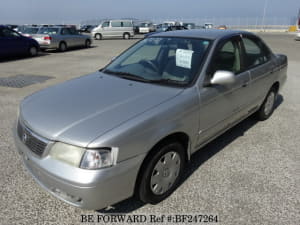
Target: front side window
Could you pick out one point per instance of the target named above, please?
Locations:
(8, 33)
(105, 24)
(227, 58)
(164, 60)
(254, 53)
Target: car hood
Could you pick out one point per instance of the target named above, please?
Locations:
(82, 109)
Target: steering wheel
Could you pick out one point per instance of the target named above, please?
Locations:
(149, 64)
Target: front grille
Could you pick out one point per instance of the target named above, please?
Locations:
(35, 143)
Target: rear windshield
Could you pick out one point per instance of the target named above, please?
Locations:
(30, 30)
(48, 30)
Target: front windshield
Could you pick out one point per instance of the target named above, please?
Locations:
(144, 25)
(168, 60)
(47, 30)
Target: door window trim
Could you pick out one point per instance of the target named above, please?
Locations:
(262, 47)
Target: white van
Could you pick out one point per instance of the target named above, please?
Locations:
(113, 28)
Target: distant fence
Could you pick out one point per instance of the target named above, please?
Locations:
(248, 23)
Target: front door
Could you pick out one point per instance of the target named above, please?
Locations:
(220, 105)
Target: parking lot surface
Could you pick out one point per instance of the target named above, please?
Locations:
(249, 175)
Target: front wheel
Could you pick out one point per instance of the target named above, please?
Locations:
(126, 36)
(88, 43)
(33, 51)
(162, 173)
(98, 37)
(267, 108)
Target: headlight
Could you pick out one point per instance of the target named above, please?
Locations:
(84, 158)
(67, 153)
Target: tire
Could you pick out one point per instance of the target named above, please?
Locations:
(126, 36)
(88, 43)
(98, 36)
(161, 174)
(268, 105)
(63, 47)
(33, 51)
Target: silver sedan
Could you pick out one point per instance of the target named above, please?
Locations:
(131, 127)
(61, 38)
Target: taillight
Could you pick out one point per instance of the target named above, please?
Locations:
(47, 38)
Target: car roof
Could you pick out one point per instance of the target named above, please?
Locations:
(211, 34)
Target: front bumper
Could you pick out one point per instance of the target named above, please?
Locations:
(88, 189)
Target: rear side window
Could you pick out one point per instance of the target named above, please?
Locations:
(127, 24)
(46, 30)
(65, 31)
(255, 52)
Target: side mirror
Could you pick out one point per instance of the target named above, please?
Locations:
(223, 77)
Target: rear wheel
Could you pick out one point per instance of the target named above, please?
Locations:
(62, 47)
(162, 173)
(126, 36)
(267, 108)
(98, 37)
(33, 51)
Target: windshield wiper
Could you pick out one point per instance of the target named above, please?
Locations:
(168, 81)
(126, 75)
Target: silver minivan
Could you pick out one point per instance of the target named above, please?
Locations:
(113, 28)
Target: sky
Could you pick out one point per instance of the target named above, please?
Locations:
(75, 11)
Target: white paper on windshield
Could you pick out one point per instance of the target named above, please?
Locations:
(184, 58)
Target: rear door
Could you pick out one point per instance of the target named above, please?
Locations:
(68, 37)
(258, 61)
(79, 39)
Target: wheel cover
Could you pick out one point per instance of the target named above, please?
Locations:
(269, 103)
(165, 173)
(63, 46)
(33, 51)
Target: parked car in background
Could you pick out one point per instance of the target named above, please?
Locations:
(176, 27)
(146, 27)
(162, 27)
(189, 25)
(166, 29)
(208, 26)
(61, 38)
(222, 27)
(297, 38)
(14, 44)
(113, 28)
(87, 28)
(131, 127)
(29, 31)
